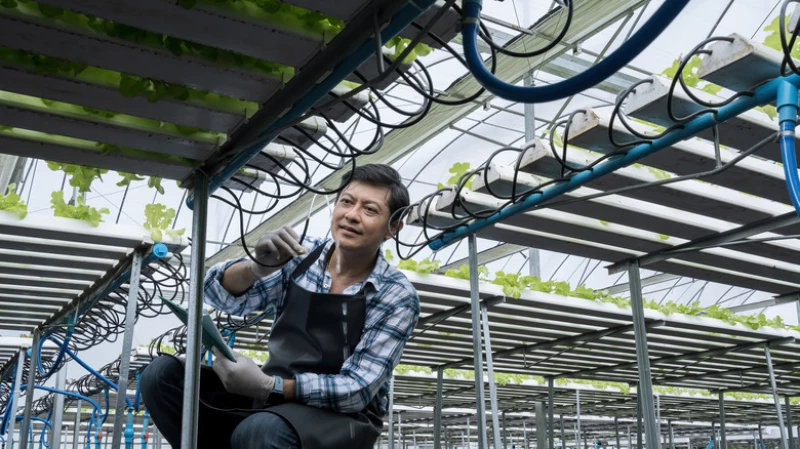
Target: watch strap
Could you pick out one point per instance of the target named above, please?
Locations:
(278, 388)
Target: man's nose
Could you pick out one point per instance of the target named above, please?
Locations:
(352, 214)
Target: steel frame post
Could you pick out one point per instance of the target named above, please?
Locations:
(469, 439)
(789, 430)
(191, 381)
(630, 438)
(714, 433)
(658, 419)
(127, 344)
(671, 435)
(578, 421)
(414, 437)
(563, 433)
(760, 437)
(505, 438)
(723, 442)
(775, 396)
(642, 354)
(616, 431)
(391, 412)
(639, 432)
(437, 411)
(16, 392)
(487, 342)
(157, 442)
(58, 408)
(29, 393)
(76, 437)
(550, 400)
(476, 341)
(524, 434)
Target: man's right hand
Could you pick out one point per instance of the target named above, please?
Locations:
(274, 249)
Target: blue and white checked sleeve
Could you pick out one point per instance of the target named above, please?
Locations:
(266, 293)
(369, 367)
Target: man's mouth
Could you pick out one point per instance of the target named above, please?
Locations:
(349, 229)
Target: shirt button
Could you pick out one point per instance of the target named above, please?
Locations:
(326, 286)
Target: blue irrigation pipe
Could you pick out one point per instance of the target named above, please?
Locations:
(145, 433)
(787, 113)
(61, 353)
(578, 83)
(129, 432)
(136, 398)
(402, 19)
(42, 442)
(158, 251)
(93, 371)
(766, 93)
(6, 416)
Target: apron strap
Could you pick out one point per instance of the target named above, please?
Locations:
(309, 260)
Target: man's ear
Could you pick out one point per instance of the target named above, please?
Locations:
(396, 227)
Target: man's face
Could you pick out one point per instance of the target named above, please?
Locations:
(360, 217)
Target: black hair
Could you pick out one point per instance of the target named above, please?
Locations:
(381, 175)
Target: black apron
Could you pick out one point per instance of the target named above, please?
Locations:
(315, 332)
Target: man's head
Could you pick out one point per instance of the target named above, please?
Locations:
(365, 205)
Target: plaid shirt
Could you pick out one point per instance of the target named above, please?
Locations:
(392, 312)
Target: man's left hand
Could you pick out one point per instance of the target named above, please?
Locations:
(244, 377)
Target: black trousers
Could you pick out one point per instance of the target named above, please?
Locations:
(161, 388)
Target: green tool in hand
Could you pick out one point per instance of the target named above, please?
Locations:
(212, 338)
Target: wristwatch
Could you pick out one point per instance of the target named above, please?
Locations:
(278, 388)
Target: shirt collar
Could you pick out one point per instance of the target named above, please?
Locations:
(376, 278)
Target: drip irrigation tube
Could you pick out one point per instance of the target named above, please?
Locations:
(787, 109)
(585, 80)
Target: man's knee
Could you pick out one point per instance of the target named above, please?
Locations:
(163, 370)
(264, 431)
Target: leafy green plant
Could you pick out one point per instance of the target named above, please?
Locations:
(80, 211)
(80, 176)
(690, 75)
(773, 39)
(11, 202)
(127, 178)
(400, 44)
(462, 272)
(458, 170)
(770, 110)
(425, 266)
(388, 255)
(158, 220)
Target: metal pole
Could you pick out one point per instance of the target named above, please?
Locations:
(469, 439)
(789, 430)
(671, 435)
(476, 341)
(414, 437)
(391, 412)
(487, 342)
(643, 358)
(127, 344)
(616, 431)
(550, 400)
(16, 392)
(760, 437)
(58, 408)
(630, 438)
(714, 433)
(658, 418)
(578, 421)
(34, 366)
(437, 411)
(563, 433)
(723, 442)
(76, 437)
(158, 438)
(639, 433)
(505, 437)
(524, 435)
(775, 396)
(191, 381)
(400, 439)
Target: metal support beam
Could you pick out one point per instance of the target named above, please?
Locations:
(563, 433)
(541, 425)
(476, 341)
(487, 342)
(391, 412)
(578, 419)
(437, 411)
(505, 435)
(616, 432)
(58, 408)
(76, 436)
(29, 394)
(639, 430)
(789, 429)
(776, 301)
(645, 377)
(191, 389)
(775, 397)
(723, 442)
(550, 406)
(671, 435)
(16, 393)
(127, 345)
(652, 280)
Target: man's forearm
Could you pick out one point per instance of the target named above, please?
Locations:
(239, 277)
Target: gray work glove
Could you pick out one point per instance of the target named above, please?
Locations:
(274, 249)
(244, 377)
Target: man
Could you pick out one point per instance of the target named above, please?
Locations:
(343, 316)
